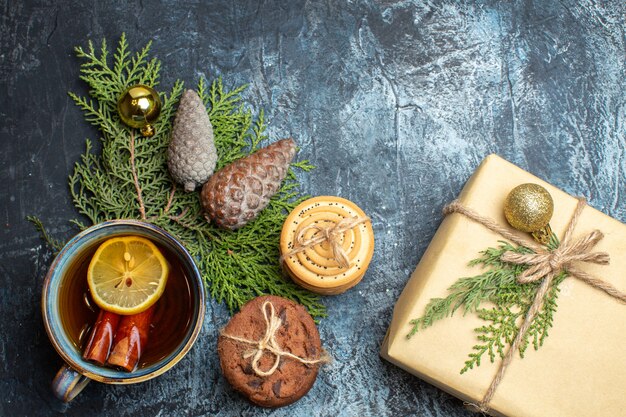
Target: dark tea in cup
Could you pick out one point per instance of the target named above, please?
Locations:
(171, 318)
(70, 312)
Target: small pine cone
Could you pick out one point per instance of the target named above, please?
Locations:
(191, 155)
(237, 193)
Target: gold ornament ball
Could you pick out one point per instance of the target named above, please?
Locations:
(528, 207)
(139, 107)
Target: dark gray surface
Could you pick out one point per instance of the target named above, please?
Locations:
(395, 102)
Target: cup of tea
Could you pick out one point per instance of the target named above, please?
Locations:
(69, 311)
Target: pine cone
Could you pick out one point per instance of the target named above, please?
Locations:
(237, 193)
(191, 156)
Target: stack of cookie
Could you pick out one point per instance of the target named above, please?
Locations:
(327, 244)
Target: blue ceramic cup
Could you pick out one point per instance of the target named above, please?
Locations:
(77, 372)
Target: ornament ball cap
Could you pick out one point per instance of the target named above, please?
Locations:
(148, 131)
(528, 207)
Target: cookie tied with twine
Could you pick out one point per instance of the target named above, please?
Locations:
(271, 351)
(326, 244)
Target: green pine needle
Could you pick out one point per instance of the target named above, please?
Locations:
(236, 266)
(54, 244)
(509, 302)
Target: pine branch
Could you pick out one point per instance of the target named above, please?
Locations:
(495, 337)
(129, 178)
(54, 244)
(496, 286)
(497, 282)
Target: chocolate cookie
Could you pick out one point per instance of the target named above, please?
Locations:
(296, 334)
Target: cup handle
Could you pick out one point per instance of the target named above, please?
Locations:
(68, 383)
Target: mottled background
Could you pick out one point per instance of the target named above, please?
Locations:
(396, 102)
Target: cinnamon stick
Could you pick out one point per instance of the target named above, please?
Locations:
(130, 340)
(101, 337)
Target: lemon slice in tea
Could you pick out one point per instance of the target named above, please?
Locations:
(127, 275)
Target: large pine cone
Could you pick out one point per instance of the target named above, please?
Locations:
(237, 193)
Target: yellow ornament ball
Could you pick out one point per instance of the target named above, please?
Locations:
(139, 107)
(528, 207)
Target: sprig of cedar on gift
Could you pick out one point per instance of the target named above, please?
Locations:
(497, 284)
(130, 179)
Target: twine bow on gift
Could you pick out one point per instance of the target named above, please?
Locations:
(544, 265)
(331, 235)
(561, 259)
(268, 343)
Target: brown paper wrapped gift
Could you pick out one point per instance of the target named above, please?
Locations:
(581, 368)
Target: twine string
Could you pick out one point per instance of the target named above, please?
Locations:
(268, 343)
(544, 267)
(331, 235)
